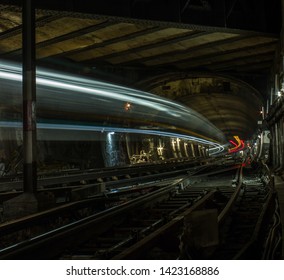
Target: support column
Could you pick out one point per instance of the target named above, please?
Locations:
(29, 97)
(27, 203)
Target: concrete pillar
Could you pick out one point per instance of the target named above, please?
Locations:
(29, 97)
(27, 203)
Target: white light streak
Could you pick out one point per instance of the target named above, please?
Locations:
(165, 112)
(111, 130)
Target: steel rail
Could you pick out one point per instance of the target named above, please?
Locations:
(93, 175)
(147, 242)
(25, 248)
(226, 211)
(260, 225)
(67, 235)
(75, 205)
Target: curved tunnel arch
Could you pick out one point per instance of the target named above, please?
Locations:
(231, 104)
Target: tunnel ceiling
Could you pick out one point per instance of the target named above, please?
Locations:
(91, 40)
(230, 104)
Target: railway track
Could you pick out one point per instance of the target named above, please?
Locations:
(66, 234)
(34, 245)
(240, 221)
(136, 226)
(141, 227)
(243, 233)
(30, 226)
(49, 179)
(74, 184)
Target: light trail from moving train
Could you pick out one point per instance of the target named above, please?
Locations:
(216, 148)
(68, 104)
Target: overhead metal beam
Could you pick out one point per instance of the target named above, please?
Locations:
(243, 61)
(183, 53)
(18, 30)
(145, 31)
(38, 22)
(73, 34)
(171, 11)
(224, 57)
(232, 63)
(164, 42)
(61, 38)
(261, 67)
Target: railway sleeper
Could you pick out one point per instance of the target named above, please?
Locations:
(169, 205)
(128, 228)
(143, 222)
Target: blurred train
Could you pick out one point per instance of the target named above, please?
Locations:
(84, 123)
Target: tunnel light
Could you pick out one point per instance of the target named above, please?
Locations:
(127, 106)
